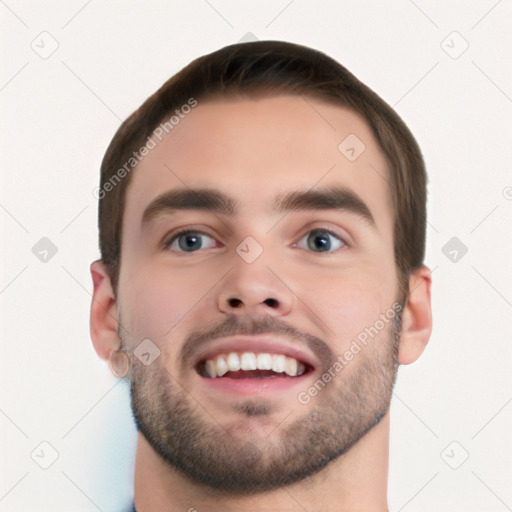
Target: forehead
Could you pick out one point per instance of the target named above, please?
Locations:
(257, 149)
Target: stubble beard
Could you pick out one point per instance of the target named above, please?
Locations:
(208, 453)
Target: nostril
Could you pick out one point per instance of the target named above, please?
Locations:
(271, 302)
(235, 303)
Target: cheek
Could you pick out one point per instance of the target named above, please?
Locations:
(349, 303)
(159, 303)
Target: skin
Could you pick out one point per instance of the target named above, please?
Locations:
(253, 150)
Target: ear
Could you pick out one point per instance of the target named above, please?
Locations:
(104, 320)
(417, 317)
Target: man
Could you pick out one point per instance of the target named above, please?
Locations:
(262, 234)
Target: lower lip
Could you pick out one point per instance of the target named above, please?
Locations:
(249, 387)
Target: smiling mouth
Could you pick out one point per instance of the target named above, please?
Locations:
(250, 365)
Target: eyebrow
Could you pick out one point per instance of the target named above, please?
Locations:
(212, 200)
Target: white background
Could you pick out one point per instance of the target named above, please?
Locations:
(58, 116)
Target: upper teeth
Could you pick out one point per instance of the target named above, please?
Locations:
(234, 361)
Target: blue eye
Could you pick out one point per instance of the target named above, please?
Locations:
(321, 239)
(188, 241)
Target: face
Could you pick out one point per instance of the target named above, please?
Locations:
(251, 241)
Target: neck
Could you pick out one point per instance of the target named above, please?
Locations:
(356, 480)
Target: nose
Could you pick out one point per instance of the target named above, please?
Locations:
(255, 289)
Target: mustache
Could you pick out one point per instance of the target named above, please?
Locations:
(253, 326)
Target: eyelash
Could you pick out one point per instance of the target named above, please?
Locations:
(174, 236)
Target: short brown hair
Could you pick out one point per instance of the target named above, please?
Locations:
(273, 67)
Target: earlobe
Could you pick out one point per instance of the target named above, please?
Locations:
(103, 318)
(417, 317)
